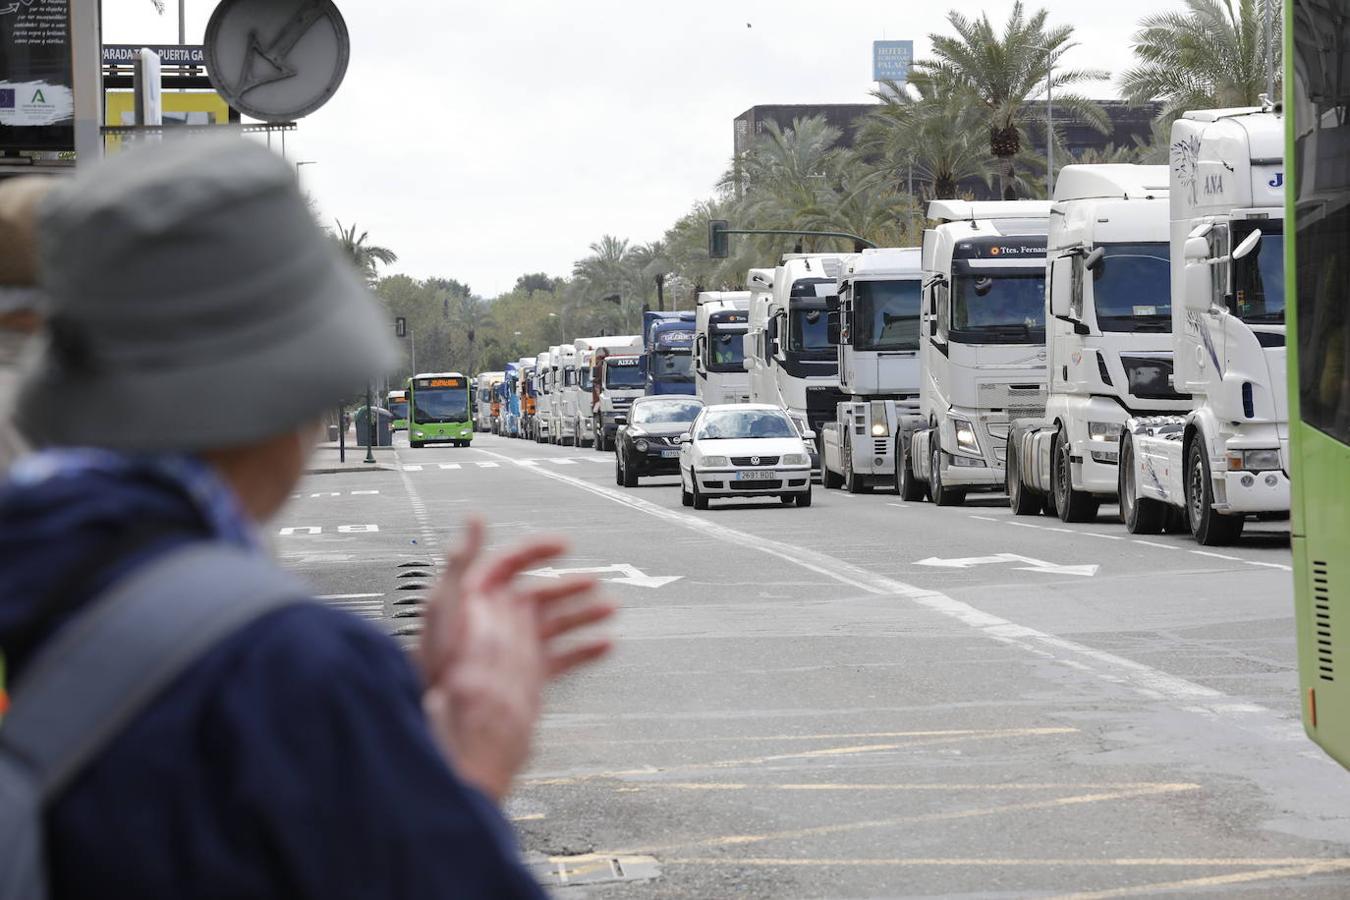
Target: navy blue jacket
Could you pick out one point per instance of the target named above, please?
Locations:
(292, 761)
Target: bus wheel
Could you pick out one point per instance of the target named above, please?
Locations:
(1211, 529)
(1141, 515)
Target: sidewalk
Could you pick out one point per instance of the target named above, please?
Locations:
(324, 460)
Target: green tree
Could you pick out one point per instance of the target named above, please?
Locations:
(1002, 71)
(1211, 55)
(367, 258)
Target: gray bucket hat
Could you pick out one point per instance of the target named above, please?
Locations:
(194, 304)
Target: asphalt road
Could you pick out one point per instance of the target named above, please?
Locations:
(822, 703)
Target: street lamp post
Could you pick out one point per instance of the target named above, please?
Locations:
(1049, 120)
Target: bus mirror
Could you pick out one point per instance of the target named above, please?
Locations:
(1249, 243)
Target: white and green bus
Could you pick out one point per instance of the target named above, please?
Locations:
(438, 409)
(397, 404)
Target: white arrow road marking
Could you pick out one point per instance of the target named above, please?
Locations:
(1032, 565)
(631, 575)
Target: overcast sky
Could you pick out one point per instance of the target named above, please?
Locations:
(484, 140)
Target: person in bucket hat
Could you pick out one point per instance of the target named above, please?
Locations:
(20, 299)
(199, 324)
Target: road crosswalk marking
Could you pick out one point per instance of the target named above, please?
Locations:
(450, 465)
(412, 468)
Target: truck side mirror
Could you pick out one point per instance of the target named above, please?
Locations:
(1059, 288)
(748, 364)
(1094, 259)
(1249, 243)
(1199, 277)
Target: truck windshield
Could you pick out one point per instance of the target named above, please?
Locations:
(808, 329)
(569, 377)
(584, 378)
(886, 315)
(672, 365)
(726, 352)
(1258, 278)
(623, 374)
(1002, 307)
(440, 405)
(1132, 288)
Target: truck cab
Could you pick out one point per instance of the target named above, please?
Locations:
(668, 343)
(619, 378)
(588, 392)
(982, 340)
(543, 376)
(509, 390)
(1108, 338)
(1228, 456)
(525, 390)
(563, 409)
(722, 320)
(795, 366)
(486, 397)
(875, 325)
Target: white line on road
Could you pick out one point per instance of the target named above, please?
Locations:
(562, 462)
(486, 465)
(1098, 534)
(1252, 562)
(450, 465)
(347, 596)
(981, 518)
(412, 468)
(1218, 556)
(1153, 544)
(1147, 681)
(363, 493)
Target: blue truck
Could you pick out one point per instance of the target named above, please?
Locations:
(508, 395)
(668, 347)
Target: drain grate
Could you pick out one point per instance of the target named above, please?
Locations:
(595, 868)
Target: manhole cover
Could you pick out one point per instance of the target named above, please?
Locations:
(595, 868)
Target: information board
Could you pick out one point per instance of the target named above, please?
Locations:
(37, 100)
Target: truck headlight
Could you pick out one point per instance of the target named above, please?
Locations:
(1104, 431)
(640, 445)
(965, 436)
(796, 459)
(715, 462)
(880, 427)
(1254, 460)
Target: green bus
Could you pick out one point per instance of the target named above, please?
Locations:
(438, 409)
(397, 404)
(1317, 266)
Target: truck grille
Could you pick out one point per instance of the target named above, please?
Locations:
(1019, 401)
(749, 461)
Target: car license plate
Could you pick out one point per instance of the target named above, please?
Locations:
(756, 476)
(670, 454)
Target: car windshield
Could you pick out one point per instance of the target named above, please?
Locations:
(1258, 278)
(886, 315)
(663, 412)
(726, 350)
(724, 424)
(1132, 287)
(440, 405)
(998, 307)
(672, 365)
(808, 329)
(624, 373)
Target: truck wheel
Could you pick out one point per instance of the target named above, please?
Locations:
(1210, 528)
(942, 496)
(853, 482)
(906, 484)
(1072, 505)
(1020, 500)
(1141, 515)
(804, 499)
(416, 445)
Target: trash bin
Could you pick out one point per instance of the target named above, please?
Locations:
(384, 434)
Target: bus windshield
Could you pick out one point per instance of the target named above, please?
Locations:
(440, 404)
(1258, 278)
(886, 315)
(998, 307)
(399, 408)
(1132, 288)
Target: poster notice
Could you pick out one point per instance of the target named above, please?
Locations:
(37, 102)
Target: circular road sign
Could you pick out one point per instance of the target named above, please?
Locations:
(276, 60)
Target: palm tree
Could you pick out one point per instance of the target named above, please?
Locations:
(786, 171)
(1213, 55)
(366, 257)
(940, 137)
(1003, 72)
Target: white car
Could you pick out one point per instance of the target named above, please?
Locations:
(744, 450)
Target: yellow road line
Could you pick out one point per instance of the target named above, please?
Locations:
(904, 786)
(952, 815)
(1317, 868)
(805, 754)
(940, 862)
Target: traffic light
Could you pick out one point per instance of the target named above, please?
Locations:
(719, 242)
(400, 327)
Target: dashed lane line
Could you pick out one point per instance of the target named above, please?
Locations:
(1218, 555)
(1142, 679)
(1153, 544)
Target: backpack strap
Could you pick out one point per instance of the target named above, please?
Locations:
(105, 667)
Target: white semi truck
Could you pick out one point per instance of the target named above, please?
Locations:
(582, 396)
(543, 415)
(982, 346)
(788, 353)
(1108, 338)
(563, 409)
(876, 328)
(484, 382)
(1228, 457)
(722, 321)
(618, 380)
